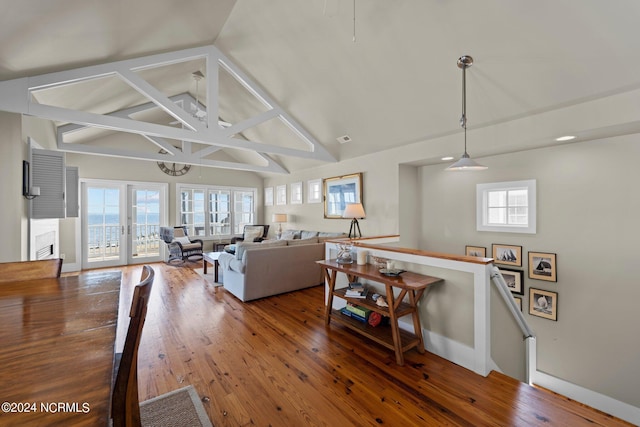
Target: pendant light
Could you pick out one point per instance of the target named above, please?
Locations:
(465, 163)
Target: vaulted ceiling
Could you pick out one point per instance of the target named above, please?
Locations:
(385, 75)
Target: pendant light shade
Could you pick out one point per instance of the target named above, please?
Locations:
(465, 163)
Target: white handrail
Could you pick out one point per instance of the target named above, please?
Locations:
(527, 332)
(502, 287)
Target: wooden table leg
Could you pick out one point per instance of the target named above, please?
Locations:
(417, 328)
(216, 264)
(204, 265)
(395, 329)
(331, 281)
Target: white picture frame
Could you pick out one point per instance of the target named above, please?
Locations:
(281, 194)
(296, 193)
(314, 191)
(268, 196)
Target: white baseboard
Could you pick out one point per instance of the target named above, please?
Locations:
(71, 267)
(588, 397)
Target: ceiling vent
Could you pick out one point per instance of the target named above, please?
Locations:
(344, 139)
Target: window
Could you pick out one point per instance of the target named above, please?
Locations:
(507, 207)
(215, 211)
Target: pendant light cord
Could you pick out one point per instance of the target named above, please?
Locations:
(463, 119)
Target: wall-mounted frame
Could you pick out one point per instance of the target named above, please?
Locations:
(518, 301)
(314, 191)
(268, 196)
(339, 191)
(296, 193)
(542, 266)
(514, 280)
(507, 254)
(475, 251)
(543, 304)
(281, 194)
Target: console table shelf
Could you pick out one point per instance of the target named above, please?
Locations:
(411, 285)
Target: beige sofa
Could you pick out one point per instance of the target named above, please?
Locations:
(272, 267)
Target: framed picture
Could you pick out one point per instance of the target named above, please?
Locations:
(281, 194)
(268, 196)
(340, 191)
(507, 254)
(475, 251)
(514, 280)
(296, 193)
(543, 303)
(314, 191)
(518, 301)
(542, 266)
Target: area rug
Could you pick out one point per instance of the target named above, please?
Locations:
(209, 276)
(177, 408)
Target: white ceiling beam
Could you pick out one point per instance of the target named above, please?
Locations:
(272, 166)
(15, 96)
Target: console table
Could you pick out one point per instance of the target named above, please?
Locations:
(411, 285)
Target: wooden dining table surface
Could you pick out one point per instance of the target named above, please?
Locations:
(57, 342)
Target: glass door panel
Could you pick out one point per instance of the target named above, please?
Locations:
(146, 205)
(103, 226)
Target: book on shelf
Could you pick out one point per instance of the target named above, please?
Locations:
(360, 311)
(352, 293)
(352, 315)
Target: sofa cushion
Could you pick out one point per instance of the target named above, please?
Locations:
(305, 234)
(308, 241)
(241, 247)
(290, 235)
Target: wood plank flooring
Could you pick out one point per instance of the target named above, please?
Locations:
(272, 362)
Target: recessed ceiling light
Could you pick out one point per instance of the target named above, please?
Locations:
(565, 138)
(446, 159)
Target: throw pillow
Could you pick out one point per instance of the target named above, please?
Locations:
(183, 240)
(252, 232)
(290, 235)
(305, 234)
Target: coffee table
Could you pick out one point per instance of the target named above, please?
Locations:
(211, 258)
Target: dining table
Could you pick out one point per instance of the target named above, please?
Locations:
(57, 343)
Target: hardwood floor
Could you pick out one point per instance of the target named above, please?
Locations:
(272, 362)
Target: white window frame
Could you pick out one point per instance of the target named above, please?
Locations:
(296, 193)
(482, 193)
(207, 189)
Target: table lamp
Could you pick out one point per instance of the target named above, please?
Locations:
(279, 218)
(354, 211)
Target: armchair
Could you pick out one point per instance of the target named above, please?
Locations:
(181, 247)
(252, 233)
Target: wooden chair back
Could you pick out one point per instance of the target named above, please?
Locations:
(30, 270)
(125, 404)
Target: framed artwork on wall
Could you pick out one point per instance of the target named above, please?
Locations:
(268, 196)
(475, 251)
(542, 266)
(281, 194)
(507, 254)
(543, 303)
(518, 301)
(340, 191)
(296, 193)
(314, 191)
(514, 280)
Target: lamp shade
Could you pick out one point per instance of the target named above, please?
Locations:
(279, 218)
(466, 164)
(354, 210)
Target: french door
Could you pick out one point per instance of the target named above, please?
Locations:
(121, 223)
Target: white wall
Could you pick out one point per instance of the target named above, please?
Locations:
(14, 207)
(587, 215)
